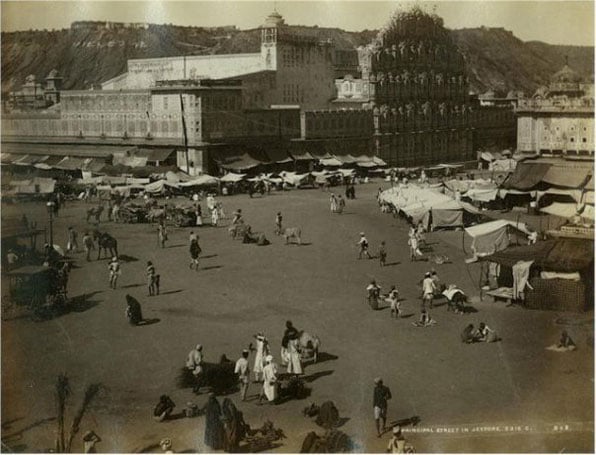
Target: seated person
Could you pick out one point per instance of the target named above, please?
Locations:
(486, 334)
(566, 342)
(133, 312)
(163, 408)
(467, 336)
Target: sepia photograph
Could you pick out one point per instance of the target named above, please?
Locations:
(297, 226)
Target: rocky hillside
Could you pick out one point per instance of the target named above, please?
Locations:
(87, 55)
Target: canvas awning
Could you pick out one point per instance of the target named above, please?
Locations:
(36, 185)
(131, 161)
(154, 154)
(240, 163)
(510, 256)
(70, 163)
(202, 180)
(527, 175)
(159, 186)
(492, 236)
(231, 177)
(571, 255)
(566, 177)
(564, 210)
(302, 156)
(330, 162)
(576, 195)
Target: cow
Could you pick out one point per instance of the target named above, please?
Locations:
(95, 212)
(293, 233)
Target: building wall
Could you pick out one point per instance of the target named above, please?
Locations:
(143, 73)
(336, 124)
(547, 132)
(304, 76)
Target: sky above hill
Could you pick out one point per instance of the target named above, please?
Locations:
(556, 22)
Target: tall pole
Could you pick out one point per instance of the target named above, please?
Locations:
(185, 135)
(50, 206)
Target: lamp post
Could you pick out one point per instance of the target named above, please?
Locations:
(50, 205)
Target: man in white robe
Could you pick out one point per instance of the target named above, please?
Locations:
(269, 380)
(194, 361)
(294, 363)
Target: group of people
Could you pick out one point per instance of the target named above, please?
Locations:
(338, 203)
(264, 368)
(482, 334)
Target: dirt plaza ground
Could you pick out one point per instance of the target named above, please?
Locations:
(508, 396)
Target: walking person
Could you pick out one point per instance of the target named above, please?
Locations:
(199, 215)
(382, 254)
(363, 245)
(269, 380)
(162, 233)
(88, 245)
(414, 247)
(394, 303)
(262, 352)
(214, 427)
(428, 290)
(73, 244)
(195, 251)
(333, 202)
(214, 216)
(289, 333)
(243, 371)
(381, 394)
(115, 271)
(341, 204)
(278, 223)
(150, 271)
(110, 209)
(294, 361)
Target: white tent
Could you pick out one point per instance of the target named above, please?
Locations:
(493, 236)
(231, 177)
(159, 186)
(201, 180)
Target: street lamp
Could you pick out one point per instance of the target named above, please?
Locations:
(50, 205)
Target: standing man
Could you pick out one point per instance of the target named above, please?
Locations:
(88, 244)
(278, 221)
(380, 396)
(269, 380)
(242, 370)
(194, 360)
(363, 244)
(289, 333)
(333, 202)
(394, 303)
(428, 290)
(341, 204)
(195, 251)
(114, 269)
(382, 254)
(150, 278)
(162, 233)
(73, 244)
